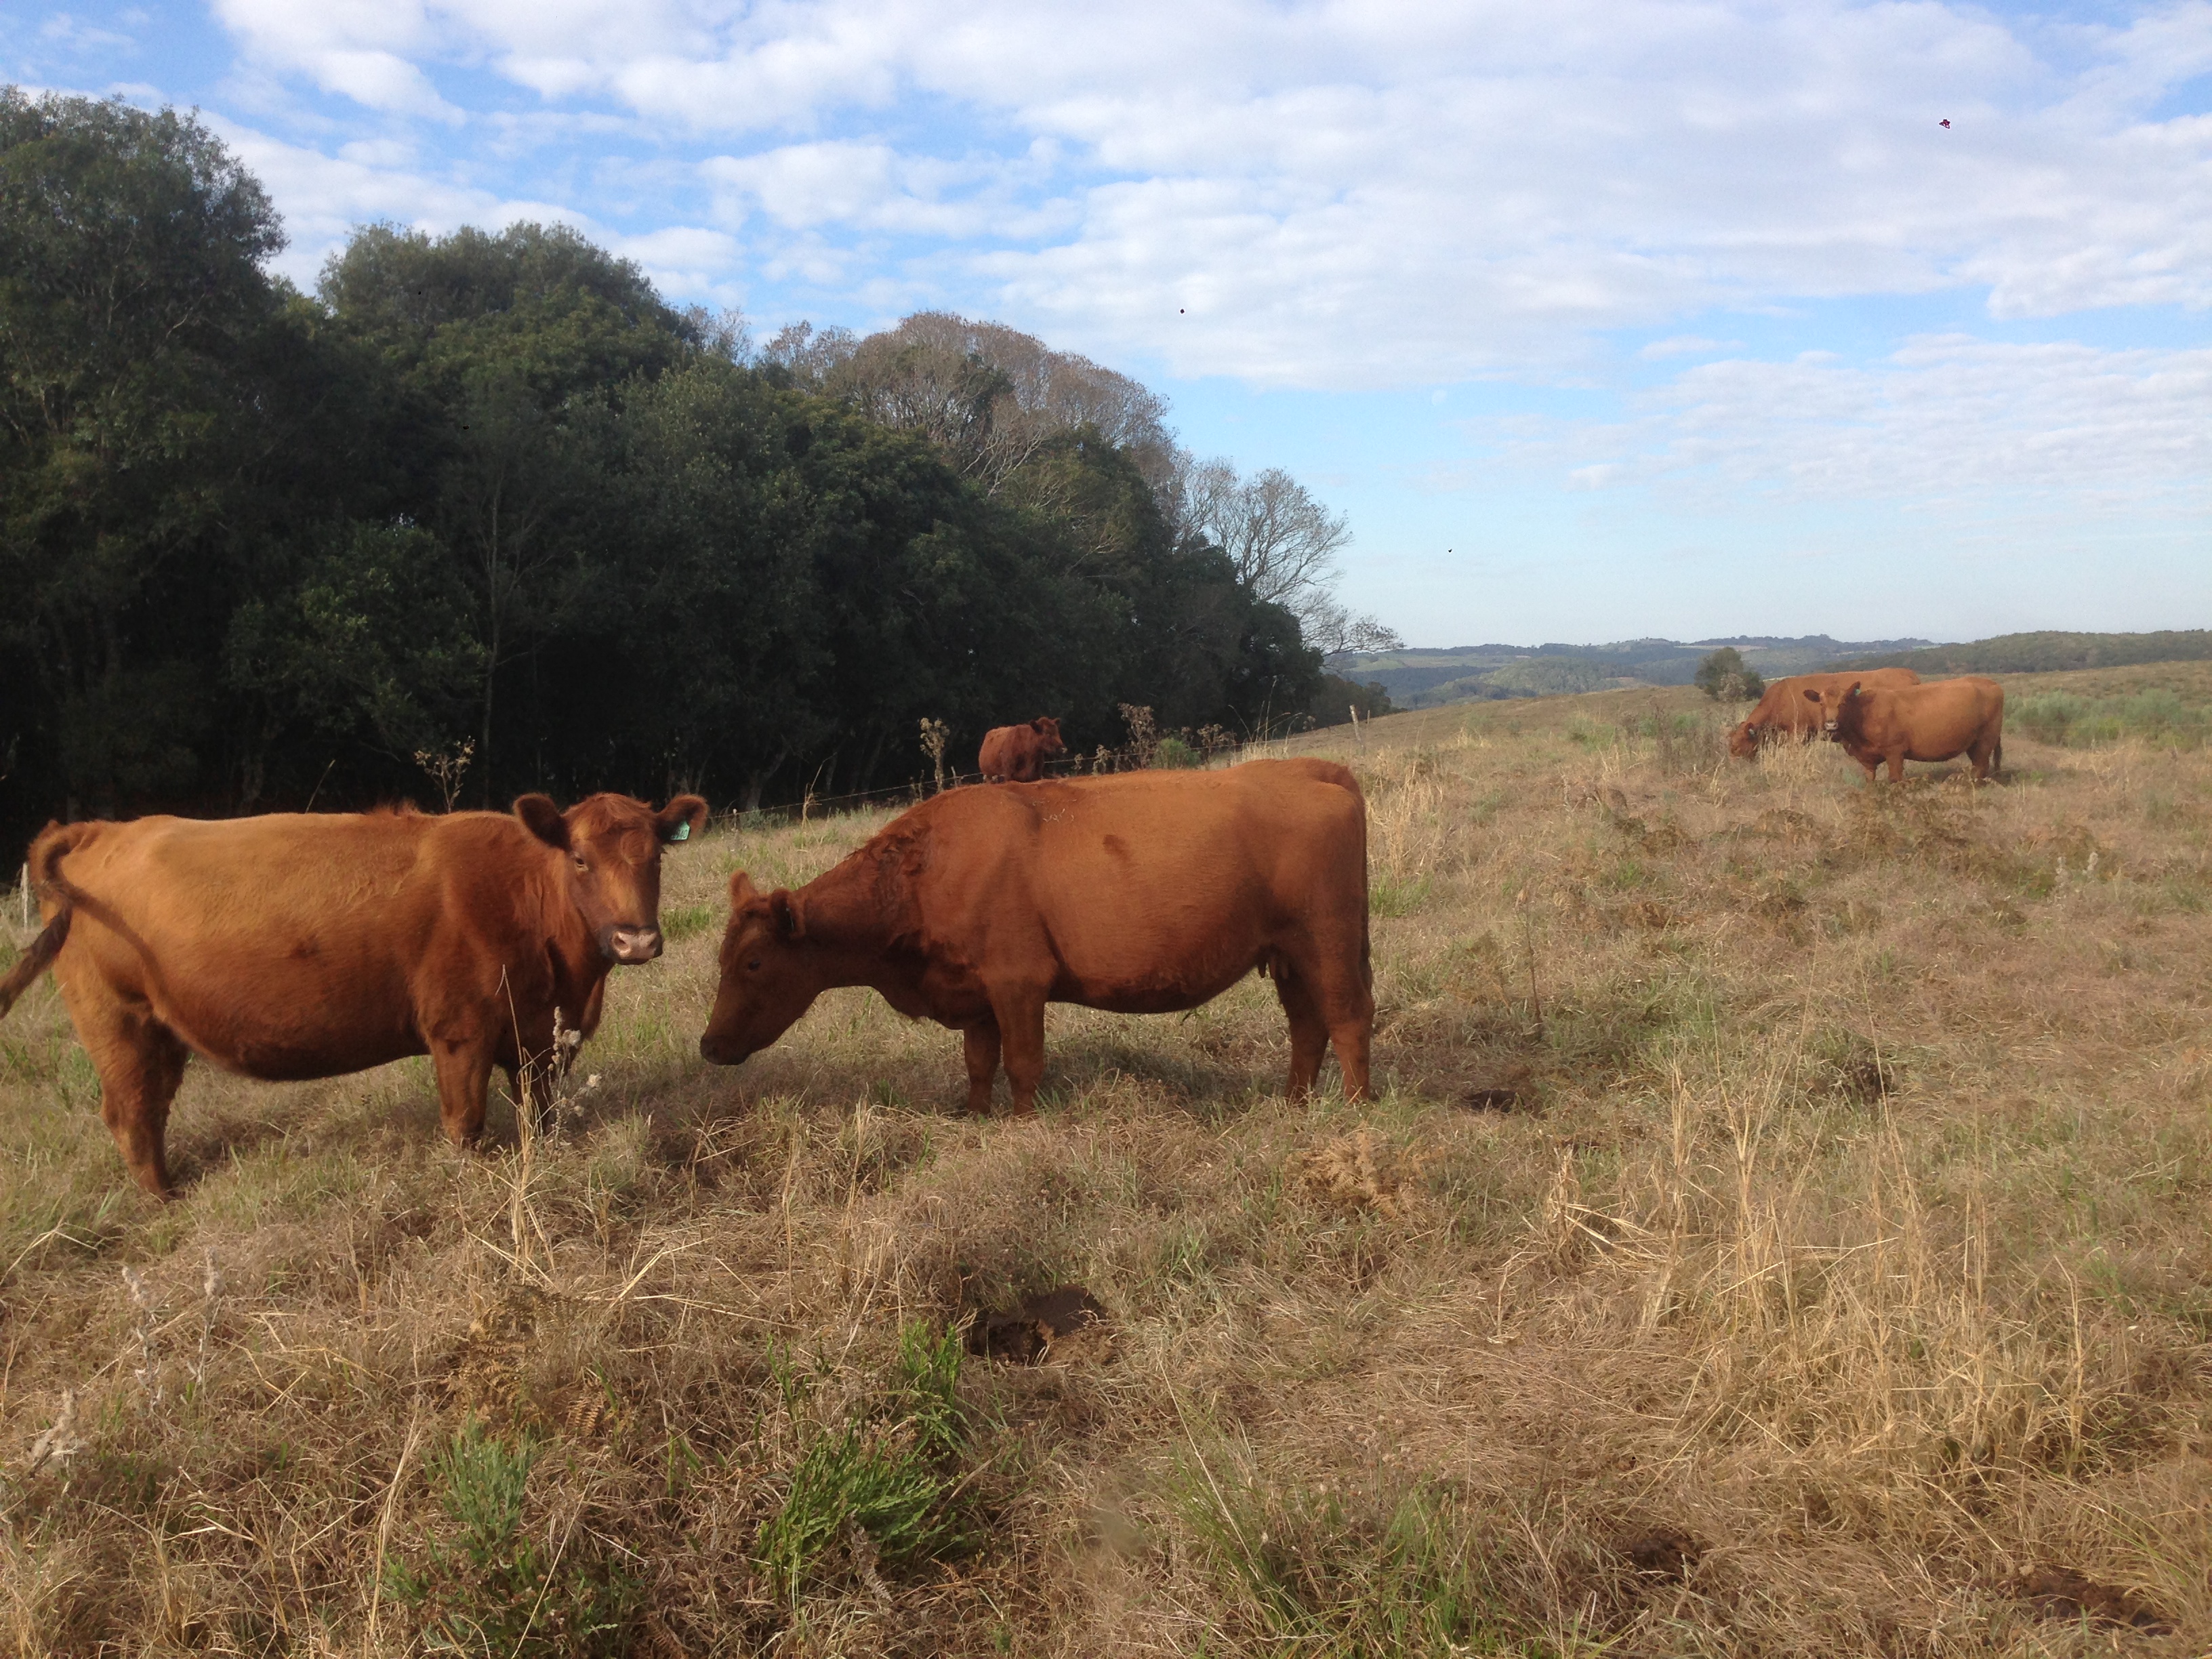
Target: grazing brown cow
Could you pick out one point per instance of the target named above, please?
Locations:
(1782, 711)
(1016, 754)
(1932, 722)
(294, 946)
(1141, 894)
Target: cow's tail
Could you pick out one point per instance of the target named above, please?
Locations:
(45, 878)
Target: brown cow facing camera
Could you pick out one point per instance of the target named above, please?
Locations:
(1145, 893)
(1782, 711)
(1933, 722)
(1016, 754)
(293, 947)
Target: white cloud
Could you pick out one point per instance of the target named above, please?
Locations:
(1363, 194)
(1947, 420)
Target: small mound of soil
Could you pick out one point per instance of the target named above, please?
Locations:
(2062, 1593)
(1066, 1324)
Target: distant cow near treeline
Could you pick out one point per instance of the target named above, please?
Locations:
(1016, 754)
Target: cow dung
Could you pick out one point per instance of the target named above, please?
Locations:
(1491, 1099)
(1066, 1324)
(2062, 1593)
(1660, 1552)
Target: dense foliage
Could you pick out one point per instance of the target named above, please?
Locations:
(2050, 652)
(1724, 676)
(487, 499)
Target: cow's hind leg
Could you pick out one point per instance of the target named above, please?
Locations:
(140, 1062)
(463, 1073)
(1308, 1031)
(980, 1043)
(1019, 1011)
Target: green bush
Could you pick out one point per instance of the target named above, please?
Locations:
(1174, 752)
(889, 1474)
(2079, 722)
(493, 1588)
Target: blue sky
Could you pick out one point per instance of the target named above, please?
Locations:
(1599, 320)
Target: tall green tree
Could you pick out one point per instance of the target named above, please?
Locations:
(133, 323)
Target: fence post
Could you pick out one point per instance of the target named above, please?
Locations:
(1357, 736)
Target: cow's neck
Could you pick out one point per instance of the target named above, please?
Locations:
(851, 939)
(578, 962)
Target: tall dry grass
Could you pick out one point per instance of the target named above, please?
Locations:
(1783, 1232)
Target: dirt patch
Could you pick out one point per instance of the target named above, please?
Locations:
(1067, 1326)
(2062, 1593)
(1659, 1552)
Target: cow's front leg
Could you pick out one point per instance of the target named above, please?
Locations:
(1019, 1011)
(981, 1043)
(463, 1073)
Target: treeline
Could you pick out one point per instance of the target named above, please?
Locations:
(2046, 653)
(484, 514)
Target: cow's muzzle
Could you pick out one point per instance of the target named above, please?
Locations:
(632, 945)
(717, 1050)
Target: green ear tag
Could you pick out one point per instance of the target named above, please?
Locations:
(683, 831)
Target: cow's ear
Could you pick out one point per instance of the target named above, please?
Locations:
(741, 891)
(790, 918)
(1854, 691)
(1811, 697)
(681, 819)
(1039, 725)
(542, 820)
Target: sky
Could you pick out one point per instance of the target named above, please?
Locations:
(1682, 318)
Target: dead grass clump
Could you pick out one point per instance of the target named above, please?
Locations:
(1357, 1172)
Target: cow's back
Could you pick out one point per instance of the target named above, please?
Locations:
(1175, 880)
(1934, 720)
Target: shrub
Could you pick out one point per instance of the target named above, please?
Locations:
(1174, 752)
(1724, 676)
(493, 1588)
(884, 1485)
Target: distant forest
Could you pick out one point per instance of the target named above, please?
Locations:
(1420, 678)
(2045, 654)
(484, 514)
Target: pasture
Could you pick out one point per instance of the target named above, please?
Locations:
(1782, 1230)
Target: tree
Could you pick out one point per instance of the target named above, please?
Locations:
(134, 311)
(1723, 675)
(505, 345)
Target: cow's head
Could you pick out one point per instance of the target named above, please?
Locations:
(768, 980)
(1744, 740)
(612, 847)
(1047, 727)
(1836, 708)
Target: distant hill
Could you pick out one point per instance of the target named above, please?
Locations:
(2038, 653)
(1423, 678)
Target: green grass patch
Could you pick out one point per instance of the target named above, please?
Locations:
(885, 1485)
(491, 1586)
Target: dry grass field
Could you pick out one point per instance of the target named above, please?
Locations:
(1783, 1231)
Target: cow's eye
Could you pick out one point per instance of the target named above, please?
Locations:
(581, 864)
(753, 967)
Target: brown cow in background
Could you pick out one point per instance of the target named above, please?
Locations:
(1142, 894)
(1782, 711)
(293, 946)
(1016, 754)
(1933, 722)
